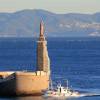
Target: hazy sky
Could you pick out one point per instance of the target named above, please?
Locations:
(58, 6)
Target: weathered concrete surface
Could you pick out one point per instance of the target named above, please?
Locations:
(24, 83)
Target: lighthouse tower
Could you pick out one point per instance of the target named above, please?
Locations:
(43, 62)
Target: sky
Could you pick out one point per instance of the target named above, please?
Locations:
(56, 6)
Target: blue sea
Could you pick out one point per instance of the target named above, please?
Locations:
(74, 59)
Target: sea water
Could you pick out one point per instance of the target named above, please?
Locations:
(74, 59)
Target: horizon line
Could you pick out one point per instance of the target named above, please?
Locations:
(50, 11)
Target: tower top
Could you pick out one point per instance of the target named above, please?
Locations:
(41, 38)
(41, 28)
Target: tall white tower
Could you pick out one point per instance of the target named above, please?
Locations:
(43, 62)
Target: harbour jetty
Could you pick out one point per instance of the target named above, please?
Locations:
(15, 83)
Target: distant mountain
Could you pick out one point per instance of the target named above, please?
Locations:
(25, 23)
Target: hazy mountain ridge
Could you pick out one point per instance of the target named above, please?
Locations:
(26, 24)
